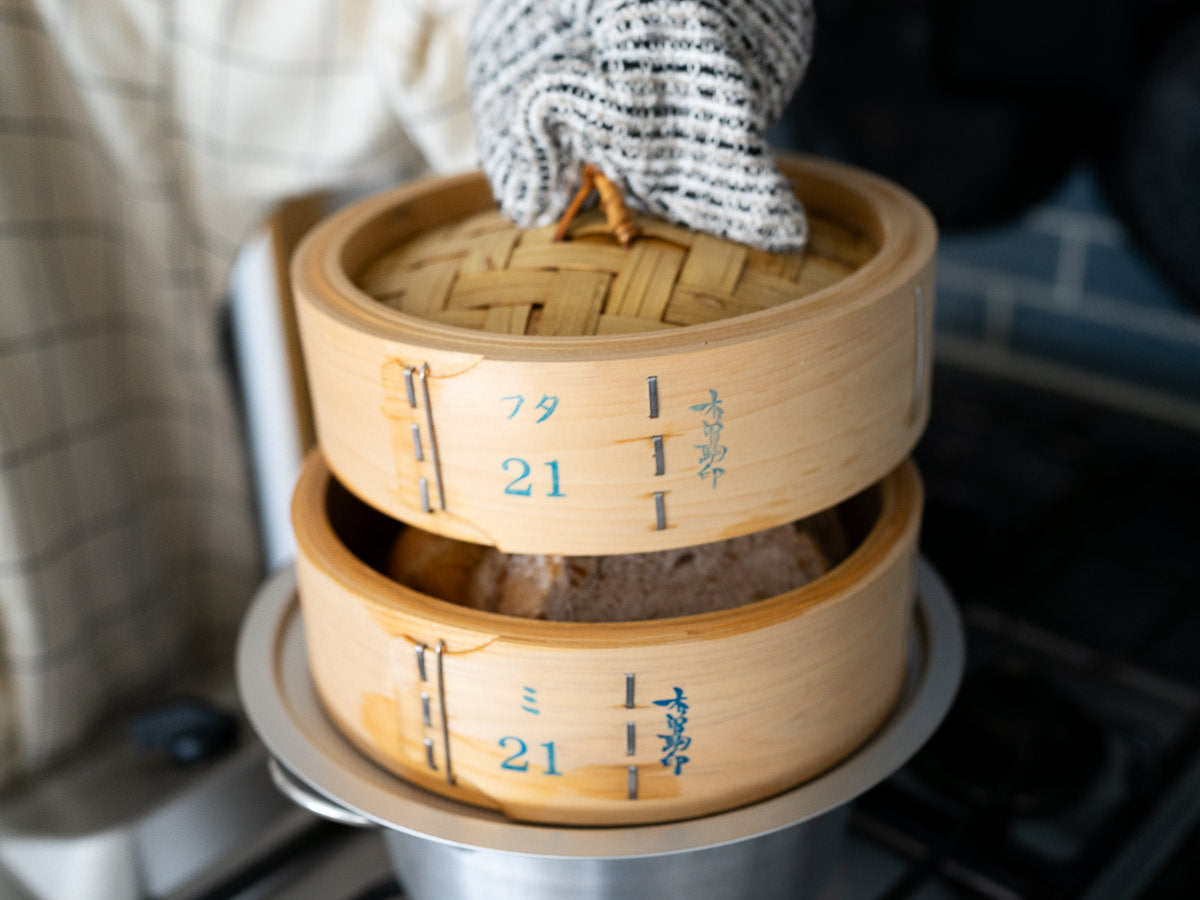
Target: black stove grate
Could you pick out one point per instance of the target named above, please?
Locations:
(1066, 530)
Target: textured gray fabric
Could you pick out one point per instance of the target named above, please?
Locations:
(670, 99)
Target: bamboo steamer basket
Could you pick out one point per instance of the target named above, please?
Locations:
(609, 723)
(490, 385)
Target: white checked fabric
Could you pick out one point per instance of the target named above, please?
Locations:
(140, 142)
(671, 99)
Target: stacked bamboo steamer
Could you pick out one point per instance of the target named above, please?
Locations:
(495, 386)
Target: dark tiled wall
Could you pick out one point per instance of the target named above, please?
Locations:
(1066, 283)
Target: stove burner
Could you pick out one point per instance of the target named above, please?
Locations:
(1014, 744)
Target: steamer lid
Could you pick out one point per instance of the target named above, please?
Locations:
(483, 272)
(580, 397)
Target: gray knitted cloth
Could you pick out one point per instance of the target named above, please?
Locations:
(670, 99)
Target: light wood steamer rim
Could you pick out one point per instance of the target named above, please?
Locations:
(782, 688)
(823, 395)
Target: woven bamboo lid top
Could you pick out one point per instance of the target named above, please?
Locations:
(483, 272)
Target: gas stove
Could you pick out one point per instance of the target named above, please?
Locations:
(1068, 767)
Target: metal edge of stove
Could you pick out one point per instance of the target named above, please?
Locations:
(281, 702)
(139, 824)
(1130, 871)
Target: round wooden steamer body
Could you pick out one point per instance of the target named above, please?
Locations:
(561, 722)
(555, 444)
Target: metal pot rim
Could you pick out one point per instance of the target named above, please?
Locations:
(282, 705)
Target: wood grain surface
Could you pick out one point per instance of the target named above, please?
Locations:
(781, 385)
(546, 721)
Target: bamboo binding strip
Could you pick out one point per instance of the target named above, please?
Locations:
(564, 722)
(493, 386)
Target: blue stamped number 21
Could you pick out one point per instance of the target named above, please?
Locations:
(522, 485)
(516, 761)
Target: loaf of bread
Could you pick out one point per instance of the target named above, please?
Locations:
(655, 585)
(438, 566)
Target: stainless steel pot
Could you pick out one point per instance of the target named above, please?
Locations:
(783, 847)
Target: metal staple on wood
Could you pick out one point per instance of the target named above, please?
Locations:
(432, 436)
(426, 712)
(652, 391)
(413, 376)
(441, 689)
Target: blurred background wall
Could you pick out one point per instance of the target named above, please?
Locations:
(1058, 144)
